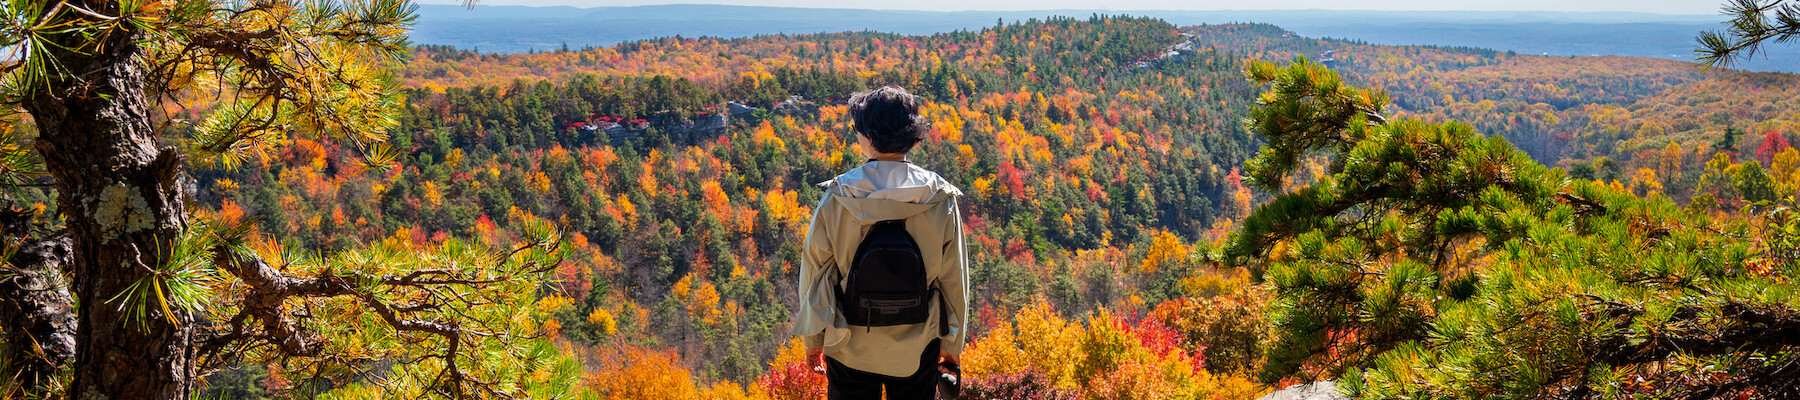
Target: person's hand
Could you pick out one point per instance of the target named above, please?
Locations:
(815, 358)
(944, 356)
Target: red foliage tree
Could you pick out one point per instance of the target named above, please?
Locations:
(1773, 142)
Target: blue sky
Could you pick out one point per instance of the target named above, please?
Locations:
(1649, 6)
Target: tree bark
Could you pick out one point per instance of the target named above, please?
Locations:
(118, 191)
(35, 308)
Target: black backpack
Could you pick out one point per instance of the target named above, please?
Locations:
(887, 284)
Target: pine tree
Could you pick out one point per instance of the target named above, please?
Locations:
(1433, 262)
(1753, 23)
(160, 294)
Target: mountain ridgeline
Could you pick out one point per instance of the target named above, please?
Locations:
(518, 29)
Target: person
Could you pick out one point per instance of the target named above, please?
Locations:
(861, 362)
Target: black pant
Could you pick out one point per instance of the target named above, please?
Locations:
(850, 384)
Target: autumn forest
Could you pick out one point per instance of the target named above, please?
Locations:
(1152, 212)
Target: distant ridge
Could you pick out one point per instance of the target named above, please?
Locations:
(517, 29)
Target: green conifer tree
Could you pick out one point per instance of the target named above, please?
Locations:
(1433, 262)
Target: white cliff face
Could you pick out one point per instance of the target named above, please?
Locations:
(1321, 390)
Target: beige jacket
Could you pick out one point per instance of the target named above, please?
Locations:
(878, 191)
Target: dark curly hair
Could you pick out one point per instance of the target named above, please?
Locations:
(889, 116)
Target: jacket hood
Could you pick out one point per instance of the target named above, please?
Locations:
(885, 190)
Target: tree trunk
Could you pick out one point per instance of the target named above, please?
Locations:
(35, 308)
(120, 198)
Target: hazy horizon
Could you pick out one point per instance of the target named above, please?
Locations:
(1667, 7)
(512, 29)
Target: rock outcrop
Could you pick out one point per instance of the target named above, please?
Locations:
(739, 109)
(699, 129)
(795, 105)
(1321, 390)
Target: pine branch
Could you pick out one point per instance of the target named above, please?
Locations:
(270, 289)
(1746, 328)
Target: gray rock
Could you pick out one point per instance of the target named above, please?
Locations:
(1321, 390)
(695, 131)
(706, 128)
(739, 109)
(795, 105)
(619, 133)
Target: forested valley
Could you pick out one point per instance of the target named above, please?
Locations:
(1152, 211)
